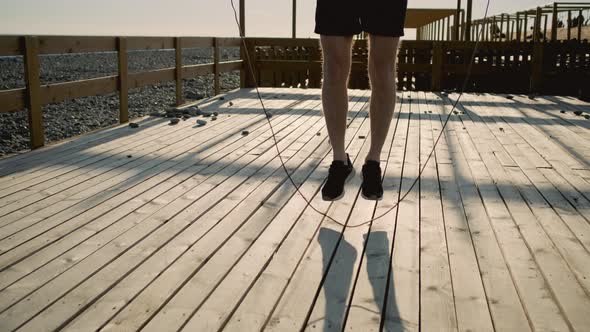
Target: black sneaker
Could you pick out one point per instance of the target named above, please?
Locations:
(372, 188)
(339, 173)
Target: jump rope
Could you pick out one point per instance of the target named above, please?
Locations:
(400, 199)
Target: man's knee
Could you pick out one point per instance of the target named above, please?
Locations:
(336, 67)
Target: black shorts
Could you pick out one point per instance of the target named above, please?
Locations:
(351, 17)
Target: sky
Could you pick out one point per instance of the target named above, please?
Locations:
(268, 18)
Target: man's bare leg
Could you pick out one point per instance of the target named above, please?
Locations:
(382, 59)
(337, 60)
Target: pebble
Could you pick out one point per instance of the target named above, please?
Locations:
(215, 114)
(562, 111)
(129, 156)
(245, 133)
(221, 98)
(578, 113)
(213, 118)
(133, 125)
(509, 97)
(174, 121)
(231, 104)
(206, 114)
(201, 122)
(587, 117)
(186, 116)
(319, 134)
(362, 137)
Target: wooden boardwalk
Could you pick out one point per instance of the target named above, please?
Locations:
(167, 228)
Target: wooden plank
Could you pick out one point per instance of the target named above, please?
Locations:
(197, 42)
(122, 80)
(138, 80)
(33, 94)
(58, 92)
(10, 45)
(75, 44)
(150, 43)
(12, 100)
(178, 44)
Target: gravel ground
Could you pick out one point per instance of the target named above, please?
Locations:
(75, 117)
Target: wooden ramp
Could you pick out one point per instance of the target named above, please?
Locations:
(166, 228)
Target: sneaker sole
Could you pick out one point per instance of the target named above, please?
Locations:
(348, 178)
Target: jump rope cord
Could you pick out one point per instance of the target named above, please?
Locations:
(309, 203)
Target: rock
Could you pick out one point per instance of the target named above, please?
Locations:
(215, 114)
(174, 121)
(231, 104)
(221, 98)
(201, 123)
(318, 134)
(129, 156)
(194, 96)
(245, 133)
(509, 97)
(213, 118)
(578, 113)
(206, 114)
(133, 125)
(362, 137)
(268, 115)
(455, 112)
(186, 116)
(587, 117)
(562, 111)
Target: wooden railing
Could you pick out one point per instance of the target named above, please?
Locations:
(35, 95)
(556, 67)
(546, 67)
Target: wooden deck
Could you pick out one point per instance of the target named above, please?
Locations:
(166, 227)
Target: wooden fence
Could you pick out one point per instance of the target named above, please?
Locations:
(545, 67)
(35, 95)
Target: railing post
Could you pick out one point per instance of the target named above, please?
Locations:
(33, 95)
(243, 18)
(248, 54)
(554, 23)
(537, 61)
(437, 66)
(178, 73)
(456, 21)
(580, 26)
(216, 65)
(468, 26)
(122, 82)
(569, 22)
(537, 27)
